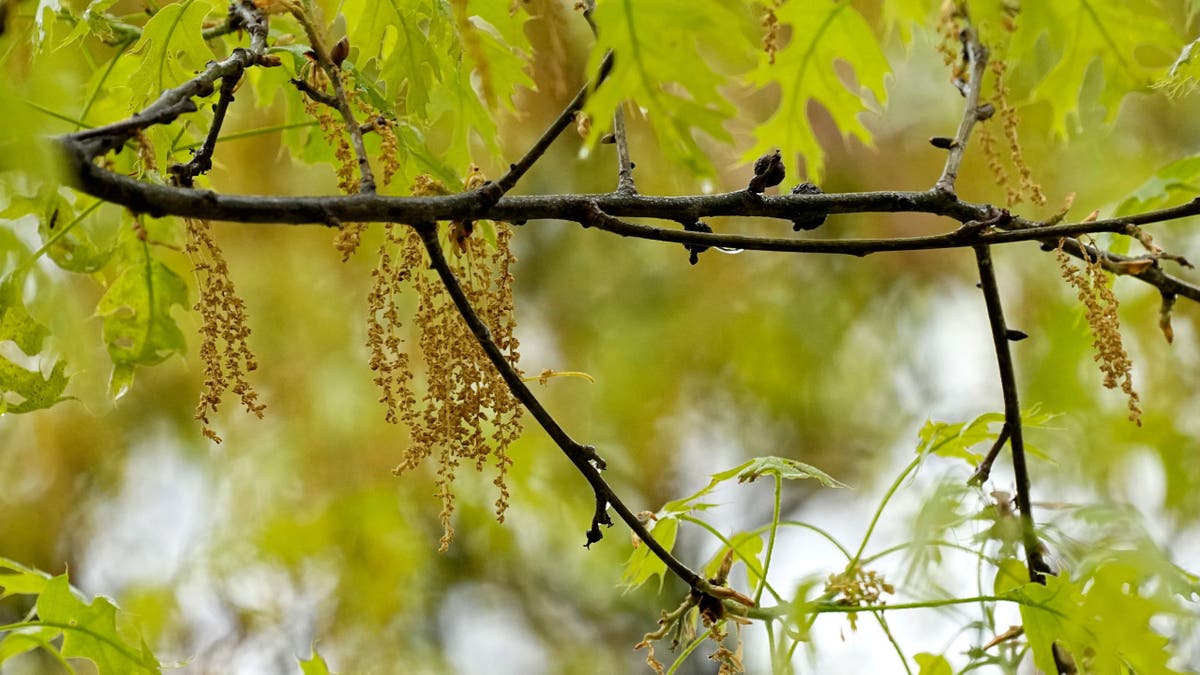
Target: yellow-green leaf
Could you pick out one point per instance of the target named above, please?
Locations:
(1078, 33)
(90, 631)
(664, 55)
(138, 327)
(822, 32)
(170, 50)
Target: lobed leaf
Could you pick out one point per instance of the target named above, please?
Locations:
(33, 390)
(138, 329)
(1102, 620)
(664, 54)
(748, 472)
(823, 33)
(1080, 33)
(642, 563)
(1180, 178)
(314, 664)
(932, 664)
(90, 630)
(170, 50)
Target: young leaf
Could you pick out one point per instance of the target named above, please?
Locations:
(933, 664)
(1102, 620)
(411, 44)
(822, 32)
(17, 579)
(642, 563)
(663, 61)
(1080, 32)
(23, 390)
(748, 472)
(314, 665)
(138, 328)
(90, 630)
(746, 547)
(170, 50)
(1178, 179)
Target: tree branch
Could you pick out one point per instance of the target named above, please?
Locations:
(90, 143)
(201, 162)
(158, 201)
(1012, 410)
(977, 55)
(339, 101)
(625, 184)
(560, 123)
(584, 457)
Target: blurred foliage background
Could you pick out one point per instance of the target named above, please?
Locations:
(239, 557)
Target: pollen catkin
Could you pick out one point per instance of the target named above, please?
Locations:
(1029, 188)
(1092, 285)
(223, 330)
(467, 415)
(770, 25)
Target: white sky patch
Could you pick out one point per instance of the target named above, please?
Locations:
(146, 532)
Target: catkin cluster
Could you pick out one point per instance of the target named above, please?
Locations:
(223, 330)
(857, 587)
(466, 414)
(1093, 287)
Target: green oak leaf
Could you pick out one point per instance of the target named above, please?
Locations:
(170, 50)
(822, 32)
(314, 665)
(665, 53)
(1172, 182)
(90, 630)
(932, 664)
(33, 390)
(643, 563)
(1080, 33)
(138, 329)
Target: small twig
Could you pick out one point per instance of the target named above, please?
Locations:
(560, 123)
(978, 56)
(314, 93)
(340, 101)
(584, 457)
(1012, 411)
(201, 161)
(90, 143)
(625, 184)
(984, 470)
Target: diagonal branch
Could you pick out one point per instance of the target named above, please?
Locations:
(584, 457)
(552, 132)
(201, 162)
(340, 101)
(89, 143)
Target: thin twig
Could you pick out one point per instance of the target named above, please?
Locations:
(1012, 410)
(978, 56)
(314, 93)
(201, 161)
(85, 145)
(625, 184)
(984, 470)
(560, 123)
(341, 102)
(584, 457)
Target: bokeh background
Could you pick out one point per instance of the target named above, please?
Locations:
(240, 557)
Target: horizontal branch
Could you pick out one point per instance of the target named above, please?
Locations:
(602, 210)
